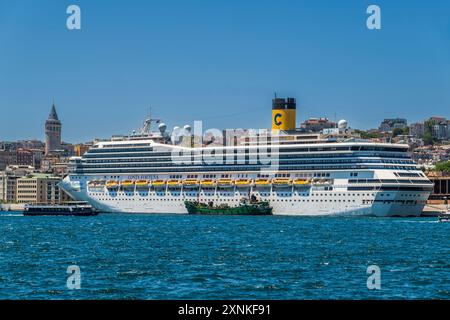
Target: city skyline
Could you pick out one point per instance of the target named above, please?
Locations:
(218, 62)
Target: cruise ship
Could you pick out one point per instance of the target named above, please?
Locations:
(298, 173)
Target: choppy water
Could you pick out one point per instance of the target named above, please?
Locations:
(205, 257)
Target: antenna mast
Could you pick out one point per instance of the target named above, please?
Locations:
(146, 127)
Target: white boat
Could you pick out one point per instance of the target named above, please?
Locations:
(444, 217)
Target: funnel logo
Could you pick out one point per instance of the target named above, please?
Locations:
(276, 121)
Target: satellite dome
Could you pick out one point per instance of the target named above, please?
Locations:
(162, 127)
(187, 128)
(342, 124)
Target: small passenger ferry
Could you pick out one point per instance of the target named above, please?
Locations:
(444, 217)
(77, 209)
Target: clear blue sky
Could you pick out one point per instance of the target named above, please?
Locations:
(219, 61)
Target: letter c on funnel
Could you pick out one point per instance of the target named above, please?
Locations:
(275, 119)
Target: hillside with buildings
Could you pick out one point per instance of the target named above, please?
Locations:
(30, 170)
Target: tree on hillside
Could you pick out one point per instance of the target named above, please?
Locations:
(428, 138)
(443, 166)
(368, 135)
(399, 131)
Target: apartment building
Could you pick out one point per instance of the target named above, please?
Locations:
(40, 188)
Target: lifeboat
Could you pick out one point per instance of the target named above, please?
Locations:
(92, 183)
(208, 183)
(174, 183)
(243, 182)
(100, 183)
(282, 182)
(158, 183)
(262, 182)
(111, 184)
(96, 184)
(127, 184)
(142, 183)
(322, 182)
(225, 183)
(301, 182)
(191, 183)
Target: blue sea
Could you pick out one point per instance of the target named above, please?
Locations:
(223, 257)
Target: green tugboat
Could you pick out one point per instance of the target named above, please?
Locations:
(250, 208)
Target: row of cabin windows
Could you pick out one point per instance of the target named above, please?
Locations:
(190, 161)
(237, 200)
(79, 171)
(266, 194)
(126, 148)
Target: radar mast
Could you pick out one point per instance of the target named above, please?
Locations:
(147, 125)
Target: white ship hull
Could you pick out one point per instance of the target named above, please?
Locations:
(290, 201)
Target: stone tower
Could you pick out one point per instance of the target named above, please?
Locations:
(52, 132)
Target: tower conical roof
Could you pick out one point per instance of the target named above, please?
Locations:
(53, 115)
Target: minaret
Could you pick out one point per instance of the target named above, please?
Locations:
(52, 132)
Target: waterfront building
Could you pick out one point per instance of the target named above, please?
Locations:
(52, 132)
(8, 182)
(40, 188)
(7, 187)
(441, 182)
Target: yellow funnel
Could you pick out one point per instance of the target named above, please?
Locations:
(283, 114)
